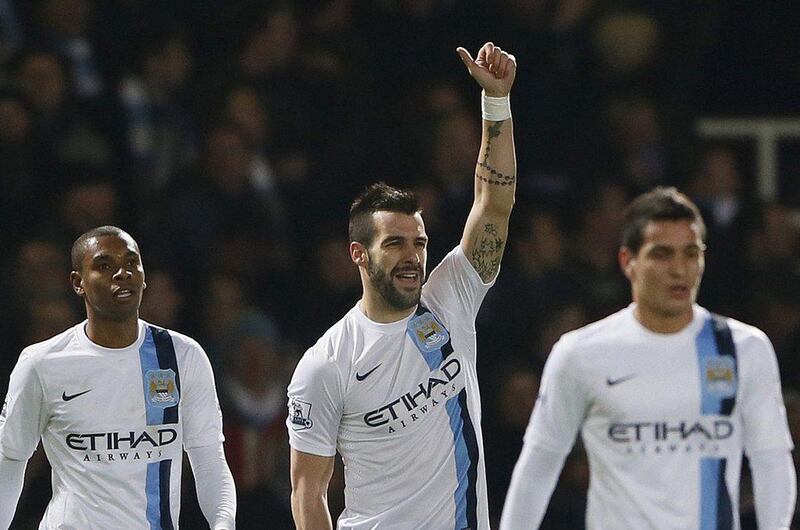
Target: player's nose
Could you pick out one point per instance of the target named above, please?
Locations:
(122, 274)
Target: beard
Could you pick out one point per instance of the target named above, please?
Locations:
(385, 286)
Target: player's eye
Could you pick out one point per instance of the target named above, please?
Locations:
(660, 253)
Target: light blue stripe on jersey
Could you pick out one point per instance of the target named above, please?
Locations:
(153, 496)
(715, 507)
(433, 358)
(155, 416)
(462, 461)
(710, 476)
(707, 347)
(149, 361)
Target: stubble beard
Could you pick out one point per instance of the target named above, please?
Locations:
(383, 283)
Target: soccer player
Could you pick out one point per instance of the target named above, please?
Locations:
(115, 400)
(667, 396)
(392, 386)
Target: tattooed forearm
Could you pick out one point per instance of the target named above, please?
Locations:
(494, 177)
(487, 253)
(491, 175)
(494, 129)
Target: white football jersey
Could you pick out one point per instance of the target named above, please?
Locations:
(665, 418)
(400, 404)
(113, 423)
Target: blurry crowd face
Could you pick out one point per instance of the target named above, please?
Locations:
(66, 18)
(43, 81)
(170, 68)
(665, 274)
(272, 46)
(229, 159)
(244, 108)
(89, 205)
(396, 258)
(16, 122)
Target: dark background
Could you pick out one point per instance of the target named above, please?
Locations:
(229, 137)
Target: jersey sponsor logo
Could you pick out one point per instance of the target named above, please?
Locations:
(363, 376)
(428, 334)
(122, 446)
(703, 436)
(618, 380)
(70, 397)
(162, 392)
(720, 376)
(300, 414)
(413, 405)
(111, 441)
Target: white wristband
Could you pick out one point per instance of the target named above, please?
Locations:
(494, 108)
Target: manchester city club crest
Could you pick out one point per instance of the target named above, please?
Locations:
(428, 333)
(300, 415)
(720, 376)
(162, 392)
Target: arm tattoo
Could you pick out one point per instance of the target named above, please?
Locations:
(493, 176)
(487, 253)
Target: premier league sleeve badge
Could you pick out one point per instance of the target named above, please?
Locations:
(300, 414)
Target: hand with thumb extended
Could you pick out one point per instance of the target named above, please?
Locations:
(493, 69)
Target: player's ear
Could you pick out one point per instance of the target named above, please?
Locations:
(77, 282)
(626, 261)
(358, 253)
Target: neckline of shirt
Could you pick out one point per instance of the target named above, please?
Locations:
(691, 329)
(382, 327)
(86, 342)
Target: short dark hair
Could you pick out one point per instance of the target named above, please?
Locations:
(658, 204)
(79, 246)
(379, 197)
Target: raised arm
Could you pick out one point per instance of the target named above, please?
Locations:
(485, 233)
(310, 477)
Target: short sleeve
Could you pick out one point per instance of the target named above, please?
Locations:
(23, 416)
(761, 402)
(456, 283)
(316, 401)
(202, 418)
(561, 407)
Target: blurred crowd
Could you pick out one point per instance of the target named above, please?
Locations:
(228, 138)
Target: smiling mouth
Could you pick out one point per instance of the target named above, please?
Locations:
(408, 276)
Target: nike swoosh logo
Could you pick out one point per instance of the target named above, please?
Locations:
(65, 397)
(361, 377)
(612, 382)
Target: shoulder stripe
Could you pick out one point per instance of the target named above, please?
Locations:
(717, 366)
(165, 350)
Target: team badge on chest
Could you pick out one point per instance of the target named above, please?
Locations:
(428, 333)
(720, 376)
(162, 392)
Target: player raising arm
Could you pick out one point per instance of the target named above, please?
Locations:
(392, 386)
